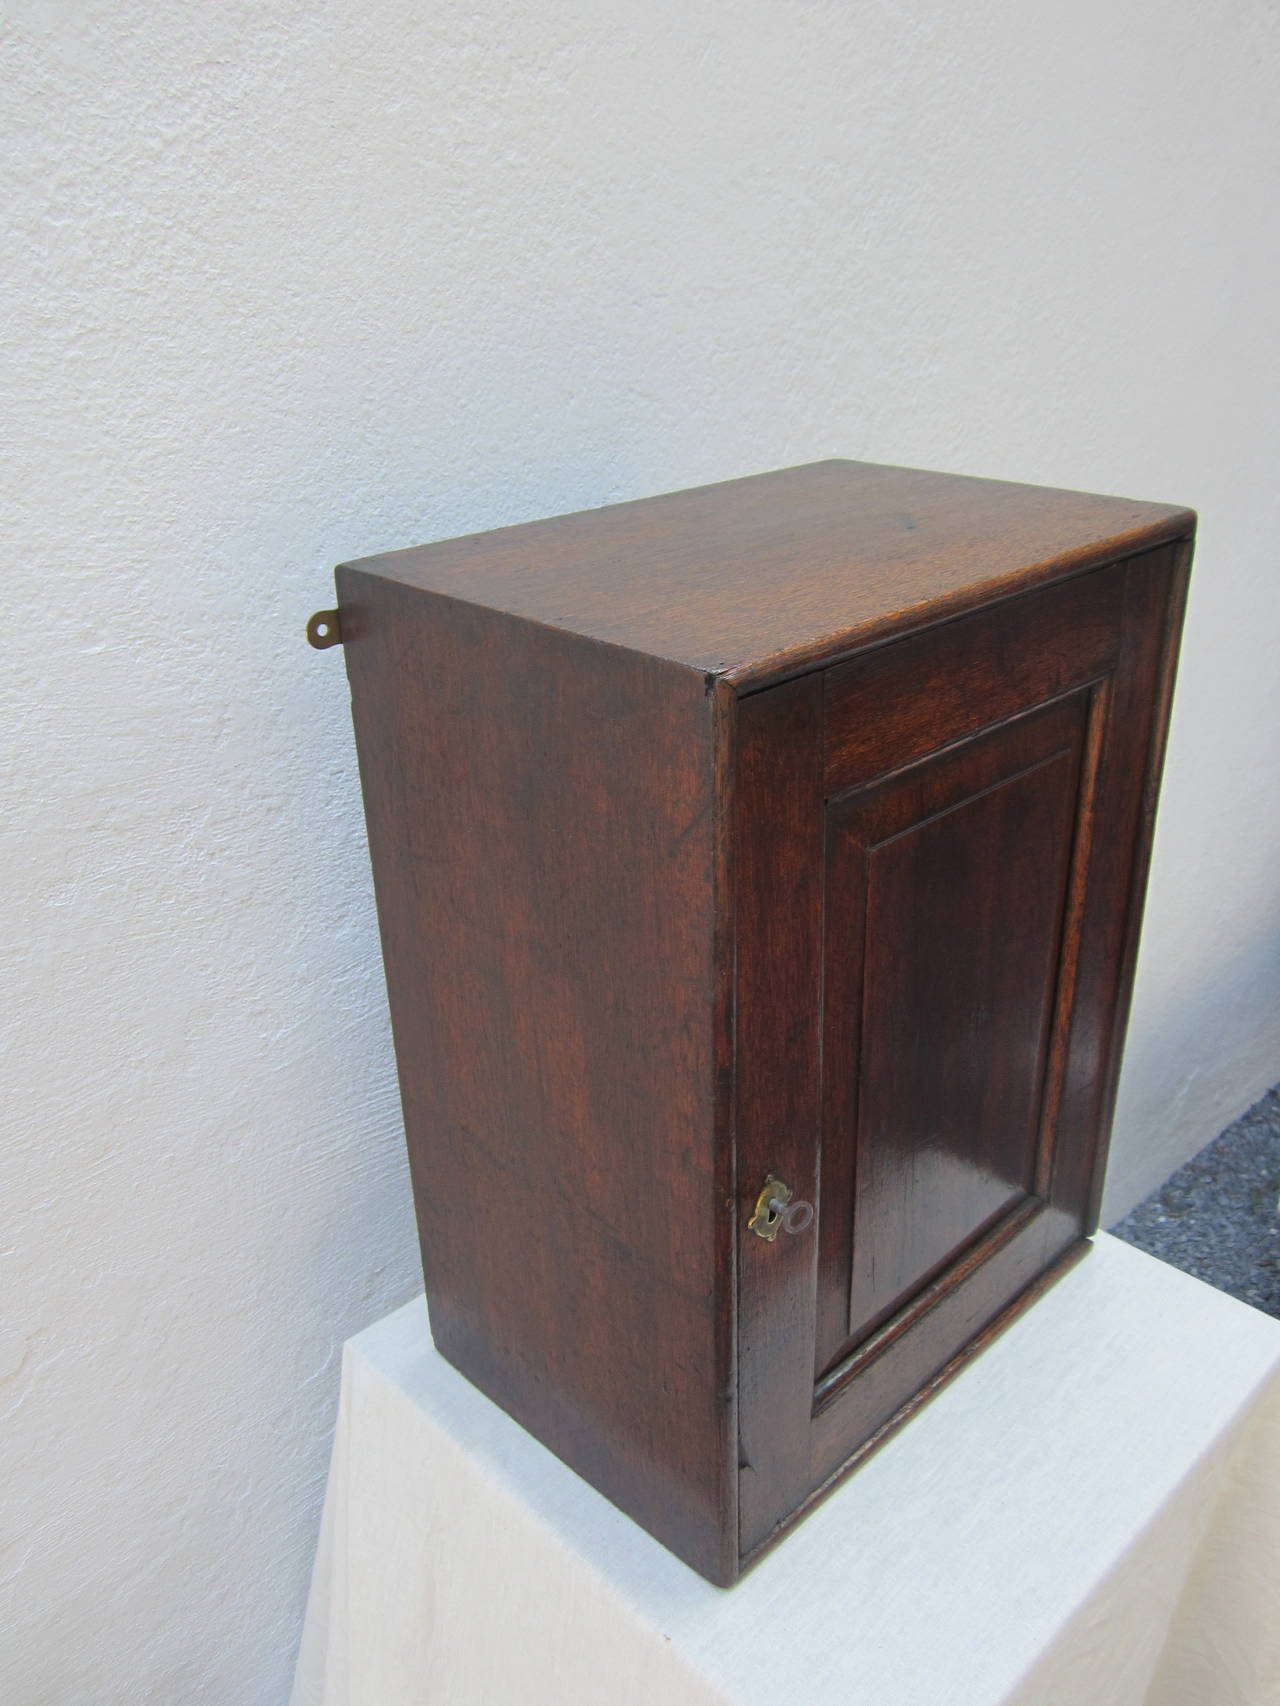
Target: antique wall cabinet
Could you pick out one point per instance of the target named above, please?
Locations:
(759, 871)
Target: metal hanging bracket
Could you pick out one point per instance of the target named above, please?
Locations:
(325, 629)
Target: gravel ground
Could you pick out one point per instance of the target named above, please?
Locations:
(1219, 1216)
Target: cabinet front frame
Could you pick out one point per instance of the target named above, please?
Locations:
(1105, 639)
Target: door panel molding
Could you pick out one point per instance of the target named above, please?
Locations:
(949, 1149)
(912, 696)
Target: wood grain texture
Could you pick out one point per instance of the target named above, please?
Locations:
(972, 991)
(912, 696)
(778, 929)
(761, 578)
(542, 829)
(953, 878)
(793, 827)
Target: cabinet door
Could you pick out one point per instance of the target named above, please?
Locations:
(940, 848)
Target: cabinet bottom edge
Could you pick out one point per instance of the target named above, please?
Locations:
(919, 1399)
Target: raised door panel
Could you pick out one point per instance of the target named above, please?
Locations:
(945, 893)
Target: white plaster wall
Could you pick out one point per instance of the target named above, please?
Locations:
(296, 282)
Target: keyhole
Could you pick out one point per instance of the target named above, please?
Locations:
(776, 1210)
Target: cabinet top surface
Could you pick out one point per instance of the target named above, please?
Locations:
(758, 578)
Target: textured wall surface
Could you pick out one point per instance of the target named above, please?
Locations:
(294, 282)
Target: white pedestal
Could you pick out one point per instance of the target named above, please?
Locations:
(1088, 1516)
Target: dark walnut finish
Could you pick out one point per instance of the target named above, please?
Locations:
(791, 828)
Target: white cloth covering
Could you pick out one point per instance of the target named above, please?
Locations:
(1089, 1515)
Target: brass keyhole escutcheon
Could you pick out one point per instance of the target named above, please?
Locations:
(777, 1209)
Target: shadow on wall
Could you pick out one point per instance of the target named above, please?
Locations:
(1157, 1119)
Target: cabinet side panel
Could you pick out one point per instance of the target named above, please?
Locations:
(542, 822)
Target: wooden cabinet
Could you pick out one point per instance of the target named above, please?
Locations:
(759, 871)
